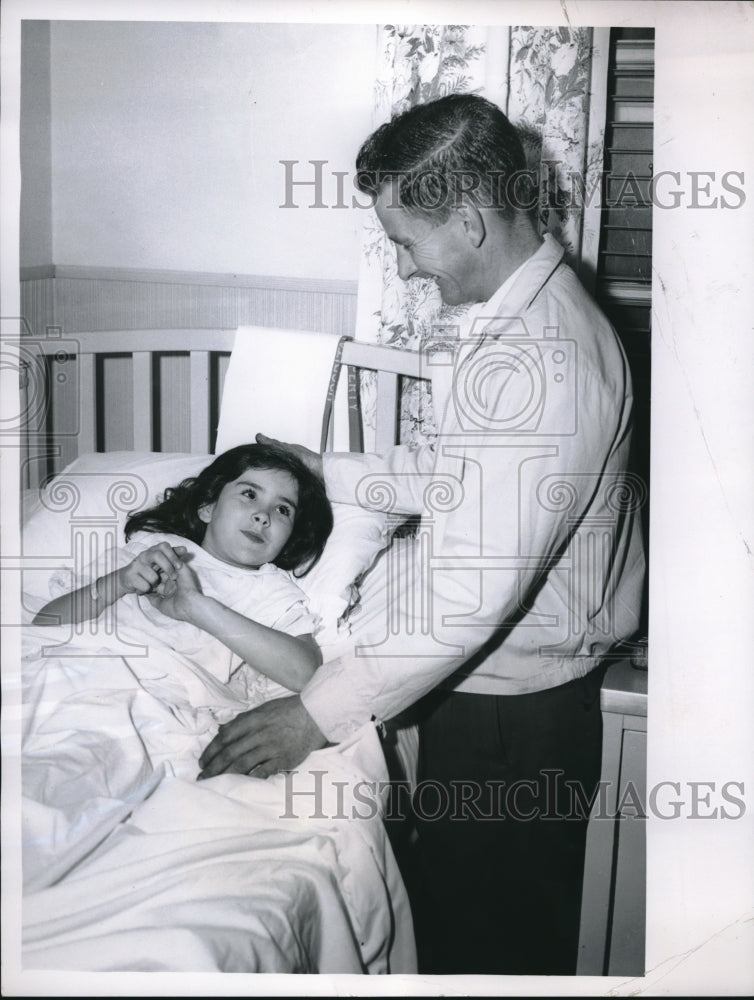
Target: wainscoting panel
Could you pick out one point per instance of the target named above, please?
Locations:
(113, 299)
(38, 303)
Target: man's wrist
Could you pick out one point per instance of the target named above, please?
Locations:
(316, 737)
(314, 717)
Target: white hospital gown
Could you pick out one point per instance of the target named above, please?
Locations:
(113, 707)
(267, 595)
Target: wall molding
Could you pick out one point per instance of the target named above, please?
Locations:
(81, 272)
(81, 298)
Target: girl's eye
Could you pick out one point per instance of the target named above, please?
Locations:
(250, 493)
(285, 511)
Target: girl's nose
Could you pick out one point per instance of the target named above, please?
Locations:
(261, 517)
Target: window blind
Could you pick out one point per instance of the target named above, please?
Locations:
(624, 264)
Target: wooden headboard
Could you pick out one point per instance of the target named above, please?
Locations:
(77, 362)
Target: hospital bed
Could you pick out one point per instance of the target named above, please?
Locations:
(221, 875)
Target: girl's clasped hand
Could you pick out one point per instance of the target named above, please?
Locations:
(163, 575)
(154, 571)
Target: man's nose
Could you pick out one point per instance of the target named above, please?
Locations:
(406, 266)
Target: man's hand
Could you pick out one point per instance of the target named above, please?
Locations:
(274, 737)
(311, 459)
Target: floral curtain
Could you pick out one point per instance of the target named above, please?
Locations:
(540, 77)
(550, 76)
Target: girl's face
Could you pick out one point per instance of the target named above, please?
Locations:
(252, 519)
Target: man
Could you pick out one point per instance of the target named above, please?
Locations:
(535, 561)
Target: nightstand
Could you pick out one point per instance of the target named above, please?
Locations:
(613, 907)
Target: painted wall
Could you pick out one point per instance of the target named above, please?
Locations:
(166, 140)
(35, 140)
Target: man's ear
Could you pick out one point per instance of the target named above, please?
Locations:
(205, 512)
(472, 221)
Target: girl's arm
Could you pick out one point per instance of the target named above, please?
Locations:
(289, 660)
(150, 569)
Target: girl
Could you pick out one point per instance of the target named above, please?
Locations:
(215, 555)
(201, 619)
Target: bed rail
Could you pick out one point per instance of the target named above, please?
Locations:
(205, 349)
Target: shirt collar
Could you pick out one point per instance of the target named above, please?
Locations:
(518, 291)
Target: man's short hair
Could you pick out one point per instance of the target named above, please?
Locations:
(458, 146)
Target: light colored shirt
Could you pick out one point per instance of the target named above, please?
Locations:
(529, 566)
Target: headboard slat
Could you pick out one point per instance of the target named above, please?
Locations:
(386, 411)
(199, 419)
(141, 374)
(87, 390)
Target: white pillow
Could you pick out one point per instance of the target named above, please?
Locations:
(357, 538)
(83, 510)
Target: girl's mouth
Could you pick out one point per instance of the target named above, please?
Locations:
(253, 537)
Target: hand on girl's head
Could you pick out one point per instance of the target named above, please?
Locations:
(311, 459)
(156, 567)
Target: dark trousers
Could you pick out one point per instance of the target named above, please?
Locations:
(501, 812)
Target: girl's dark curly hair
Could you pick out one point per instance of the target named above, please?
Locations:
(178, 512)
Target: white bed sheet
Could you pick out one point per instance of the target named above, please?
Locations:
(131, 864)
(208, 877)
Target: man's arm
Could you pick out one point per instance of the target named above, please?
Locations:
(487, 552)
(437, 613)
(395, 481)
(274, 737)
(380, 482)
(520, 500)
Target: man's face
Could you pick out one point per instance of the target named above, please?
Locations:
(426, 250)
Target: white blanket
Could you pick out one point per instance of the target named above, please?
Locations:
(131, 864)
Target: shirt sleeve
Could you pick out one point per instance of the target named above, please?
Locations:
(513, 502)
(65, 580)
(394, 481)
(298, 620)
